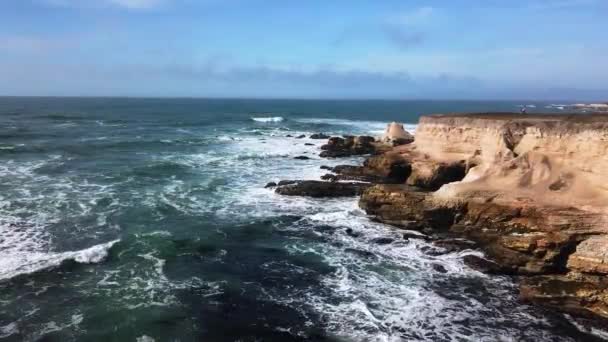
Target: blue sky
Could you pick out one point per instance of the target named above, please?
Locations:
(450, 49)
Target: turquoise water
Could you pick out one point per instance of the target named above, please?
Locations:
(147, 219)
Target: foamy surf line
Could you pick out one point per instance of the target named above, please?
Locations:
(268, 119)
(30, 262)
(371, 127)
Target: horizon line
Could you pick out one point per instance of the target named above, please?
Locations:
(146, 97)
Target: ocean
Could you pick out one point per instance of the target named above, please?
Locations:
(147, 220)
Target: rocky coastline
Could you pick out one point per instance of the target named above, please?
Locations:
(530, 191)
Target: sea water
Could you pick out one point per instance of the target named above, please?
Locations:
(148, 220)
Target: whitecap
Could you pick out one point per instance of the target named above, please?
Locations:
(24, 262)
(268, 119)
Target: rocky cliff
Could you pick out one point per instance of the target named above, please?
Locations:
(531, 190)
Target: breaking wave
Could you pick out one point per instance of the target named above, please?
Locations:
(19, 263)
(268, 119)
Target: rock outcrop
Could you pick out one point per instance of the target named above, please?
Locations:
(387, 168)
(530, 190)
(396, 135)
(338, 147)
(312, 188)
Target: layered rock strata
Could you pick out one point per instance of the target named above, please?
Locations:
(531, 190)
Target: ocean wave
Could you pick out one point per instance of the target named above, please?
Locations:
(24, 262)
(268, 119)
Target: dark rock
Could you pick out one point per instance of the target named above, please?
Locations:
(454, 245)
(321, 189)
(329, 177)
(309, 144)
(286, 182)
(337, 147)
(301, 136)
(382, 169)
(301, 157)
(289, 136)
(319, 136)
(271, 185)
(484, 265)
(439, 268)
(362, 253)
(383, 241)
(325, 167)
(350, 232)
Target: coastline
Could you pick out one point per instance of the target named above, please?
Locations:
(524, 189)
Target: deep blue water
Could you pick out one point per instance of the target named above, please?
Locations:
(147, 219)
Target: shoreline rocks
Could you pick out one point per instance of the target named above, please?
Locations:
(338, 147)
(529, 191)
(313, 188)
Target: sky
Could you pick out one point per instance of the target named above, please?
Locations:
(388, 49)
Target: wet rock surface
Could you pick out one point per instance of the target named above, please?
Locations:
(312, 188)
(381, 169)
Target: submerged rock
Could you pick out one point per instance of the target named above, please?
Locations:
(383, 241)
(352, 233)
(270, 185)
(301, 157)
(439, 268)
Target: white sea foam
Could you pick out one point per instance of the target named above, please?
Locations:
(25, 262)
(40, 201)
(358, 126)
(268, 119)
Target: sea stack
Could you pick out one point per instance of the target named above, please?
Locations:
(395, 134)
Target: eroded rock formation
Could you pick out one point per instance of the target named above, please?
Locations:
(396, 135)
(532, 191)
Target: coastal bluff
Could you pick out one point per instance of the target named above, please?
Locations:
(530, 190)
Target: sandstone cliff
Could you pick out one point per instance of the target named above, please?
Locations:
(532, 190)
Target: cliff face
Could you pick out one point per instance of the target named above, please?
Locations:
(553, 160)
(531, 190)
